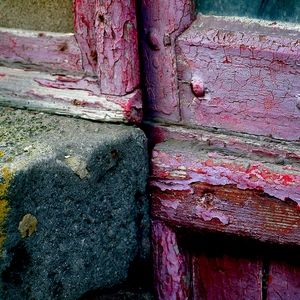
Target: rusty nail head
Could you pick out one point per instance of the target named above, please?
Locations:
(197, 86)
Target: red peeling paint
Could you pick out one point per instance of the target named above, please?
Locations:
(12, 41)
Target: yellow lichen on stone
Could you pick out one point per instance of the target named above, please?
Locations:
(28, 225)
(1, 153)
(6, 176)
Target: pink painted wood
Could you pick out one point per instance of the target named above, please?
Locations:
(238, 184)
(53, 52)
(170, 277)
(84, 26)
(104, 46)
(161, 22)
(67, 95)
(240, 75)
(107, 34)
(117, 46)
(248, 162)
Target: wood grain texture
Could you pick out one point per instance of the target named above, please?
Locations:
(250, 73)
(170, 273)
(117, 46)
(45, 51)
(161, 22)
(283, 280)
(84, 27)
(225, 277)
(67, 95)
(229, 185)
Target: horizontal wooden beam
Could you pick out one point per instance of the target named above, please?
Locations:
(67, 95)
(56, 53)
(213, 183)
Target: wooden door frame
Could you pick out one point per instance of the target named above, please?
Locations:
(187, 154)
(92, 73)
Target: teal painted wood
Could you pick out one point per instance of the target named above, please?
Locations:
(280, 10)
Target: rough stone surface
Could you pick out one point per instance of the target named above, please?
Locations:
(84, 182)
(42, 15)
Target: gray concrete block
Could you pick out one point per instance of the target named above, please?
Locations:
(73, 211)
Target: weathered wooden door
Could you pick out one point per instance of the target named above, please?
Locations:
(223, 111)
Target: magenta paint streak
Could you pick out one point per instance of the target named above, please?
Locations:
(131, 104)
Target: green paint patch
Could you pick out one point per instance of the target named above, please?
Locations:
(6, 177)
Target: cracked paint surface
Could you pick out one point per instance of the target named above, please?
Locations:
(211, 180)
(161, 22)
(171, 278)
(250, 72)
(277, 181)
(54, 52)
(117, 46)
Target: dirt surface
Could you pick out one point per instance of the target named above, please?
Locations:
(55, 15)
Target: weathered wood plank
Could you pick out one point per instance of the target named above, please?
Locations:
(226, 277)
(229, 210)
(117, 46)
(284, 280)
(161, 22)
(67, 95)
(44, 51)
(228, 185)
(240, 75)
(84, 27)
(170, 271)
(107, 36)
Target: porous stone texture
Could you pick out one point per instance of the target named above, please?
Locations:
(41, 15)
(73, 210)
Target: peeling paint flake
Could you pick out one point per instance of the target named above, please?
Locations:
(78, 166)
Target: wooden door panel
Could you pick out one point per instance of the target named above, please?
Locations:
(226, 277)
(222, 267)
(240, 75)
(284, 279)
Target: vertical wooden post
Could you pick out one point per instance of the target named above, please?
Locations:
(117, 46)
(170, 271)
(107, 35)
(84, 26)
(161, 22)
